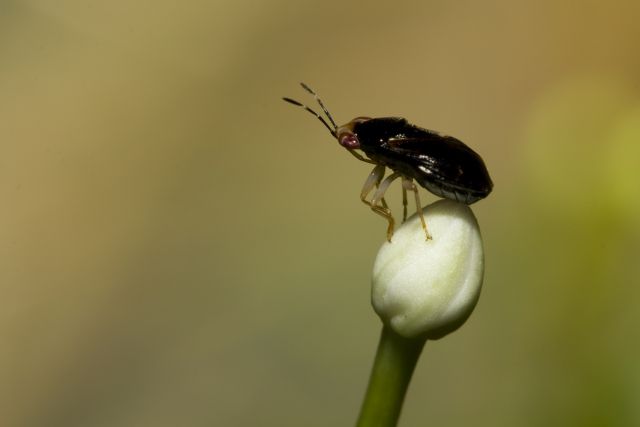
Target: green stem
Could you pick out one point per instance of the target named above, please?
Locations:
(395, 361)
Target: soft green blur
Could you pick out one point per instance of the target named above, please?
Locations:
(179, 247)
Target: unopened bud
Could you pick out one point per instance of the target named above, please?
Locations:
(430, 287)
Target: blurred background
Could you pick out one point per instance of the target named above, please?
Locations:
(179, 247)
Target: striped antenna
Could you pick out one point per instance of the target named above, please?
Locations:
(324, 122)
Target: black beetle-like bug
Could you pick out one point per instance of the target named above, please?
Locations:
(442, 164)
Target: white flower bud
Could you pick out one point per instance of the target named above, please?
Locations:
(430, 287)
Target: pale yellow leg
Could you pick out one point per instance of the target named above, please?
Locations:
(408, 184)
(373, 180)
(380, 207)
(360, 157)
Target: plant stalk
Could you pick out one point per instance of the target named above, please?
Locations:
(395, 361)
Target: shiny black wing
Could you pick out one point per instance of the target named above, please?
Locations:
(442, 164)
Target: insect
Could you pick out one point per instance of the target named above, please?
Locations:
(443, 165)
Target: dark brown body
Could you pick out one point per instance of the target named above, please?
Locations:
(442, 164)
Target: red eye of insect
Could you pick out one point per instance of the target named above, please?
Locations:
(349, 140)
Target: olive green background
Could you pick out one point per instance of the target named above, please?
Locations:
(179, 247)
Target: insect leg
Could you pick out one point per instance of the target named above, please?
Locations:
(408, 184)
(382, 209)
(360, 157)
(373, 180)
(384, 203)
(404, 204)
